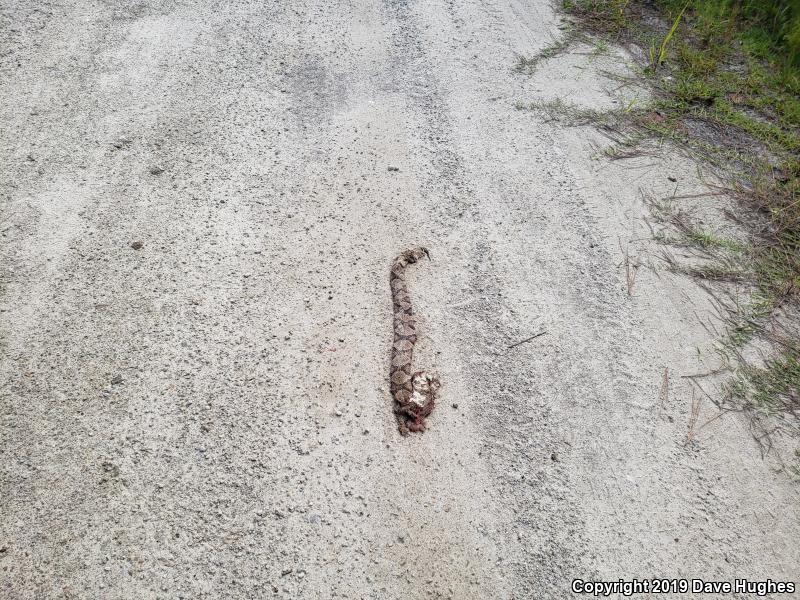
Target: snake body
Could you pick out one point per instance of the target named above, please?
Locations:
(414, 393)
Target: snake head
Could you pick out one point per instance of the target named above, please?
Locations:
(412, 255)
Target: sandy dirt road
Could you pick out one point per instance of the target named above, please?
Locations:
(208, 416)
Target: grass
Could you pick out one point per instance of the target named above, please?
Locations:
(657, 58)
(527, 64)
(706, 239)
(570, 114)
(725, 82)
(607, 16)
(772, 389)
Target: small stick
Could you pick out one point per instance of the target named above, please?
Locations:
(533, 337)
(711, 420)
(709, 374)
(689, 196)
(630, 270)
(693, 416)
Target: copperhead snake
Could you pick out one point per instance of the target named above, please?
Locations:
(414, 393)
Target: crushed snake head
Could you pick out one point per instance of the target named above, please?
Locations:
(414, 393)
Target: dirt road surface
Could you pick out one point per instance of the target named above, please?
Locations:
(205, 413)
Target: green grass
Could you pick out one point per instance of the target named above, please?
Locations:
(725, 82)
(527, 64)
(767, 29)
(708, 240)
(658, 54)
(609, 16)
(700, 238)
(778, 379)
(736, 67)
(570, 114)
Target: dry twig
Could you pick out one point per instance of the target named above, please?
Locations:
(694, 414)
(533, 337)
(631, 268)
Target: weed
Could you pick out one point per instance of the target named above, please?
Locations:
(631, 268)
(527, 64)
(657, 57)
(694, 415)
(570, 114)
(772, 389)
(725, 86)
(696, 63)
(600, 48)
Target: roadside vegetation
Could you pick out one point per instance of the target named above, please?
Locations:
(724, 79)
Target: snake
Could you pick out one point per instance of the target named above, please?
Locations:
(414, 393)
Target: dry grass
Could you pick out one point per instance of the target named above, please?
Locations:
(725, 104)
(631, 268)
(527, 64)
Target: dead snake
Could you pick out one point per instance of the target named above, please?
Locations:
(414, 393)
